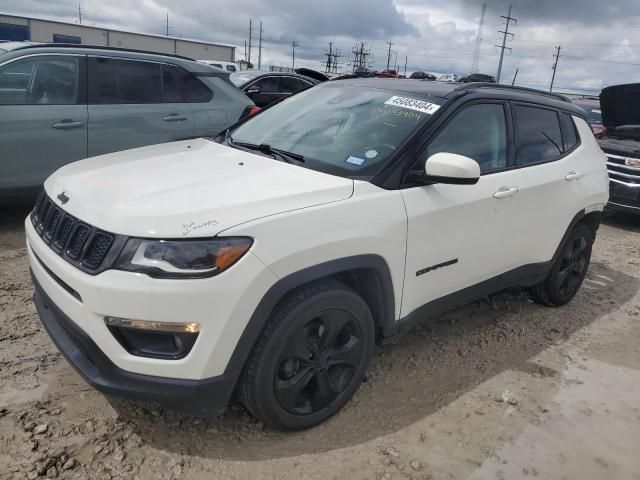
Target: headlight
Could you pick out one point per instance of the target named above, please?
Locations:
(182, 258)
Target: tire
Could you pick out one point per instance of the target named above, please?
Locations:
(568, 271)
(310, 358)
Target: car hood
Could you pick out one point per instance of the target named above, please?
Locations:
(194, 188)
(620, 105)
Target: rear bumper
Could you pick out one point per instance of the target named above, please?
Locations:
(204, 398)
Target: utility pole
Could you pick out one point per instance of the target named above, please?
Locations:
(250, 35)
(389, 55)
(504, 47)
(260, 47)
(395, 62)
(331, 62)
(555, 66)
(475, 66)
(405, 65)
(79, 14)
(294, 44)
(167, 26)
(361, 53)
(245, 50)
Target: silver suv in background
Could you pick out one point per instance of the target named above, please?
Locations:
(62, 103)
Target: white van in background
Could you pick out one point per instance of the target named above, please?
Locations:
(228, 66)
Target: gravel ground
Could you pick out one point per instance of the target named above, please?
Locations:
(502, 388)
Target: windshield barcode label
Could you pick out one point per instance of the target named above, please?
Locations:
(413, 104)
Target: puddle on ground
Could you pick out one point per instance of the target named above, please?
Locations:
(591, 431)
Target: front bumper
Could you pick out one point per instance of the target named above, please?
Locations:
(204, 398)
(624, 197)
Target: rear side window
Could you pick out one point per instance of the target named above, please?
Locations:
(193, 90)
(114, 81)
(292, 84)
(538, 138)
(171, 91)
(569, 131)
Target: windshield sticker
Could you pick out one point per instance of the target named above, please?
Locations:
(371, 154)
(356, 161)
(400, 112)
(413, 104)
(187, 228)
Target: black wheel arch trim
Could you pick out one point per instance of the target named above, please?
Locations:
(289, 283)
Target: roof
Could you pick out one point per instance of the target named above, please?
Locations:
(450, 90)
(185, 62)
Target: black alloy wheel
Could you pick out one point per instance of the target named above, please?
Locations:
(569, 269)
(310, 358)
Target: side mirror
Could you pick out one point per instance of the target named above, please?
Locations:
(450, 168)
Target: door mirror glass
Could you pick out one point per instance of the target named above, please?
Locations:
(451, 168)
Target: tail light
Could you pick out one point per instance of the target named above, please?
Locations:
(249, 111)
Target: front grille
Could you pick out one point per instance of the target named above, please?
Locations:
(620, 172)
(88, 248)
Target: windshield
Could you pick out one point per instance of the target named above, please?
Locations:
(240, 78)
(341, 129)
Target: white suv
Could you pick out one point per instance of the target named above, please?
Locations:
(270, 261)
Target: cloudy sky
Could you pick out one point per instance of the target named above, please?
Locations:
(599, 38)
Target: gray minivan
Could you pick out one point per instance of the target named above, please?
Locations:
(62, 103)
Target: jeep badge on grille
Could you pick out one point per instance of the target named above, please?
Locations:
(63, 198)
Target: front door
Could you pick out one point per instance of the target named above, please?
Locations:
(43, 119)
(460, 236)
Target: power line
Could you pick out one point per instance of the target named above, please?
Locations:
(294, 44)
(504, 47)
(475, 65)
(388, 54)
(555, 66)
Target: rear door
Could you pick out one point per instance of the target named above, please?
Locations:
(43, 118)
(548, 154)
(133, 103)
(264, 91)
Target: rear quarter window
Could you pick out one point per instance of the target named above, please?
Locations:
(571, 138)
(538, 135)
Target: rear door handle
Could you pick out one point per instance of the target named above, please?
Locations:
(505, 192)
(67, 124)
(571, 176)
(174, 117)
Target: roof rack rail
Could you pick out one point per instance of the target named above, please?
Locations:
(470, 86)
(101, 47)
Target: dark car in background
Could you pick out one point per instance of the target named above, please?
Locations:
(621, 143)
(591, 105)
(478, 77)
(420, 75)
(264, 88)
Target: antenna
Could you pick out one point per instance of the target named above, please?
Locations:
(475, 66)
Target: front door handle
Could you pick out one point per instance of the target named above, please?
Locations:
(505, 192)
(572, 175)
(174, 117)
(66, 124)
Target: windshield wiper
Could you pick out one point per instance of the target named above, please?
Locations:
(288, 157)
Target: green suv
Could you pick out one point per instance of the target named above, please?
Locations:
(62, 103)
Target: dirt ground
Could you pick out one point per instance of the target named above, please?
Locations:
(499, 389)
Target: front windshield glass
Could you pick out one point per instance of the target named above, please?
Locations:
(340, 129)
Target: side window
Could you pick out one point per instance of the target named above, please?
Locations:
(231, 68)
(538, 137)
(114, 81)
(193, 90)
(569, 130)
(292, 84)
(171, 92)
(51, 80)
(478, 132)
(267, 85)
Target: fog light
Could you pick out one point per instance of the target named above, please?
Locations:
(144, 338)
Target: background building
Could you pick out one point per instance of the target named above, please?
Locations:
(39, 30)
